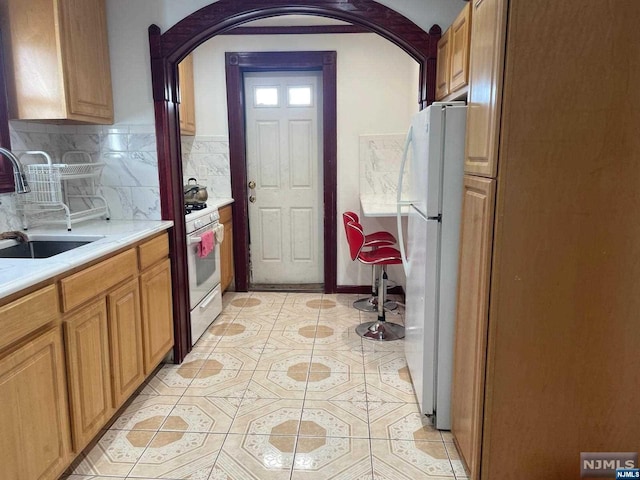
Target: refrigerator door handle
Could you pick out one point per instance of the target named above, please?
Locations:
(400, 203)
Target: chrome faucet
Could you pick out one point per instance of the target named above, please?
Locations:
(19, 177)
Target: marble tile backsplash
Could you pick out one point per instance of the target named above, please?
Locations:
(380, 158)
(129, 180)
(206, 158)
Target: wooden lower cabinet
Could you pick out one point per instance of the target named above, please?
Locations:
(57, 392)
(125, 335)
(89, 372)
(471, 327)
(35, 443)
(226, 249)
(157, 313)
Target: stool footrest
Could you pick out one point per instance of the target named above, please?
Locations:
(370, 304)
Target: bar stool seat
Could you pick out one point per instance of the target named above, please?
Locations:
(379, 329)
(373, 240)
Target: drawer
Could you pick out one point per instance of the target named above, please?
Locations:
(27, 314)
(153, 251)
(95, 280)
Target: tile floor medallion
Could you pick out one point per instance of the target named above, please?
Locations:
(278, 388)
(146, 412)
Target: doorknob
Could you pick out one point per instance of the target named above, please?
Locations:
(252, 198)
(252, 184)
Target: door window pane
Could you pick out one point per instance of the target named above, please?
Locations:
(300, 96)
(266, 96)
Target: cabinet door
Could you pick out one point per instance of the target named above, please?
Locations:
(460, 33)
(472, 317)
(125, 335)
(34, 417)
(187, 96)
(226, 249)
(157, 314)
(85, 58)
(87, 349)
(488, 31)
(442, 67)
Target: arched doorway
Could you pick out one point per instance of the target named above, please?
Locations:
(169, 48)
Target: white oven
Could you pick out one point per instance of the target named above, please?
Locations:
(205, 298)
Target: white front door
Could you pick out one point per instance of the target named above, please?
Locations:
(283, 123)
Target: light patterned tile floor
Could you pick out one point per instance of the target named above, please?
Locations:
(280, 387)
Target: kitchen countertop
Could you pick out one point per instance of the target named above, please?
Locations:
(380, 205)
(18, 273)
(219, 202)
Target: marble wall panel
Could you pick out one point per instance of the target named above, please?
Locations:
(129, 180)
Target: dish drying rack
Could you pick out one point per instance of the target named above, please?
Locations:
(50, 189)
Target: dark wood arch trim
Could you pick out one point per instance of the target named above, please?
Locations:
(236, 65)
(168, 49)
(6, 170)
(302, 30)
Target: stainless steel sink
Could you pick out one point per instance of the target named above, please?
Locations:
(40, 248)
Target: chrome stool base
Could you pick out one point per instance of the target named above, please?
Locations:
(370, 304)
(380, 331)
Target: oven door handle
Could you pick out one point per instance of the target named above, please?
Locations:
(205, 303)
(194, 240)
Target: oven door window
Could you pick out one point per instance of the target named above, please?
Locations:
(203, 271)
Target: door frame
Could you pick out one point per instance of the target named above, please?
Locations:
(169, 48)
(237, 64)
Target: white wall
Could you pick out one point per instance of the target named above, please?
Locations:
(128, 23)
(377, 92)
(423, 13)
(129, 20)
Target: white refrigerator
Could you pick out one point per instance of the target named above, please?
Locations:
(430, 184)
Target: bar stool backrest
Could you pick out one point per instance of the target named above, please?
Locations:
(355, 238)
(349, 217)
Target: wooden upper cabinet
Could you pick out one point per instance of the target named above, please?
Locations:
(476, 239)
(443, 66)
(486, 68)
(460, 33)
(57, 60)
(452, 70)
(187, 96)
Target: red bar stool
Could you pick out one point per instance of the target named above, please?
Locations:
(379, 329)
(373, 241)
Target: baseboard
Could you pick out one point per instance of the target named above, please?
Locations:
(287, 287)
